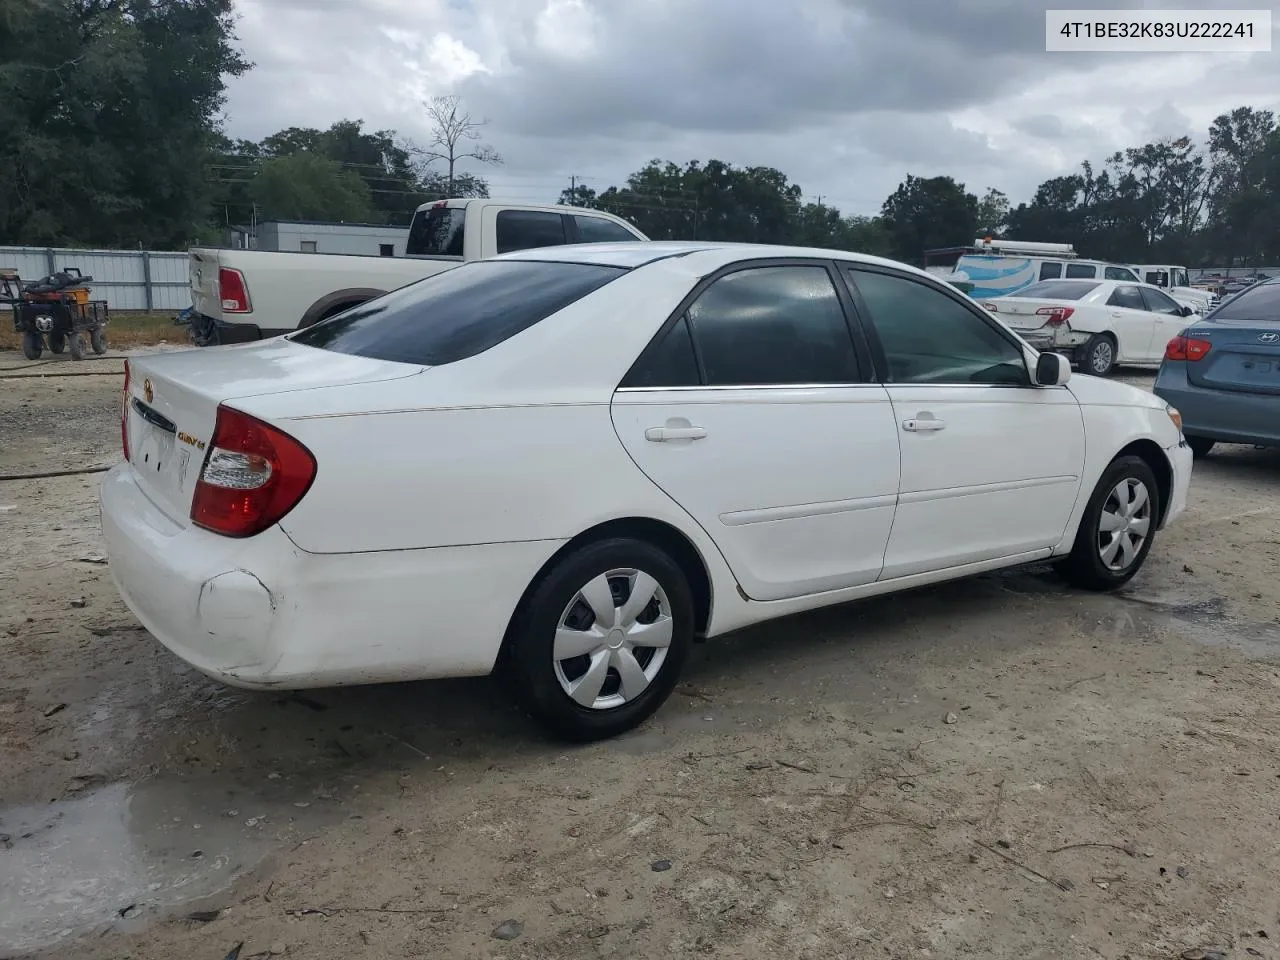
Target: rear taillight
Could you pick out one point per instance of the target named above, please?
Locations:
(253, 475)
(232, 291)
(124, 412)
(1186, 348)
(1057, 316)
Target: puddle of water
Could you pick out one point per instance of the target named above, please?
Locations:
(124, 854)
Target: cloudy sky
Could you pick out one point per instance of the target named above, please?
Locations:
(844, 96)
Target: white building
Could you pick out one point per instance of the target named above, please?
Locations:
(314, 236)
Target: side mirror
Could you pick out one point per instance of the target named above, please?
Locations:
(1052, 370)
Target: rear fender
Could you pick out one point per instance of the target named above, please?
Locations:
(336, 302)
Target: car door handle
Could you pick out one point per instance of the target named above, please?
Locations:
(923, 425)
(663, 434)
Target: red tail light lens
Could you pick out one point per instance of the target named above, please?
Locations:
(1186, 348)
(1057, 316)
(124, 412)
(233, 291)
(253, 475)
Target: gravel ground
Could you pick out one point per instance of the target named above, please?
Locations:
(999, 767)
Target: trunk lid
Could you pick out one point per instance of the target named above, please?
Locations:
(1020, 312)
(173, 403)
(203, 268)
(1244, 358)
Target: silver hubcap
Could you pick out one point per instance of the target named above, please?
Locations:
(1102, 356)
(1125, 524)
(612, 639)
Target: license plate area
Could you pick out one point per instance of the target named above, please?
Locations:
(155, 452)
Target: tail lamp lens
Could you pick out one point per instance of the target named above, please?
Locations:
(254, 474)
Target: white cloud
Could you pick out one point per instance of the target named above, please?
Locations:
(844, 96)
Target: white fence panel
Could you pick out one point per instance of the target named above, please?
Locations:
(129, 280)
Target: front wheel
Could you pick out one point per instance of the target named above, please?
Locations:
(1117, 529)
(98, 340)
(32, 345)
(57, 342)
(75, 345)
(1099, 355)
(599, 643)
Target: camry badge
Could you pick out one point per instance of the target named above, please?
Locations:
(1268, 337)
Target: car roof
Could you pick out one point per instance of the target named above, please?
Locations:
(713, 254)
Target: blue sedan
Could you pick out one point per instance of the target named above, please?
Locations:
(1223, 372)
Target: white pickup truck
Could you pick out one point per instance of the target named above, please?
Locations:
(240, 295)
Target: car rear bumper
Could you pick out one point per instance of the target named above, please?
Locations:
(1223, 415)
(235, 331)
(261, 613)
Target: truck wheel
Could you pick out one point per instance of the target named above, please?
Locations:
(57, 342)
(1098, 358)
(32, 345)
(98, 338)
(75, 343)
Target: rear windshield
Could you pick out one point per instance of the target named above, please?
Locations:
(1058, 289)
(1256, 303)
(458, 313)
(437, 232)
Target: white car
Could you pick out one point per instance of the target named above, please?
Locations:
(571, 463)
(1098, 323)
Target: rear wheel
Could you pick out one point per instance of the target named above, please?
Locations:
(1200, 446)
(1117, 529)
(599, 643)
(32, 345)
(57, 342)
(1099, 355)
(75, 345)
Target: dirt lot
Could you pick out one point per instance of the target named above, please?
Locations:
(995, 768)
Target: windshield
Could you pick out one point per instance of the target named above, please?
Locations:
(1058, 289)
(458, 313)
(437, 232)
(1261, 302)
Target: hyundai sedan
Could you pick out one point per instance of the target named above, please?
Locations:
(568, 465)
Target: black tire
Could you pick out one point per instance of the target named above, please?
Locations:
(1098, 356)
(529, 666)
(1084, 567)
(57, 342)
(75, 345)
(32, 345)
(98, 340)
(1200, 446)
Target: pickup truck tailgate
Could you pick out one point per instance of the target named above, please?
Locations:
(203, 266)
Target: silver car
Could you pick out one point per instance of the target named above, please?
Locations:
(1223, 372)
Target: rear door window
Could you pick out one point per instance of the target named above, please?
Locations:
(1081, 271)
(458, 313)
(437, 232)
(1128, 298)
(527, 229)
(599, 230)
(1050, 271)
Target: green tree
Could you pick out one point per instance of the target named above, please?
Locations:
(109, 112)
(304, 186)
(927, 213)
(993, 213)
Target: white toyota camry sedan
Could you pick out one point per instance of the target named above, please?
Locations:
(567, 465)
